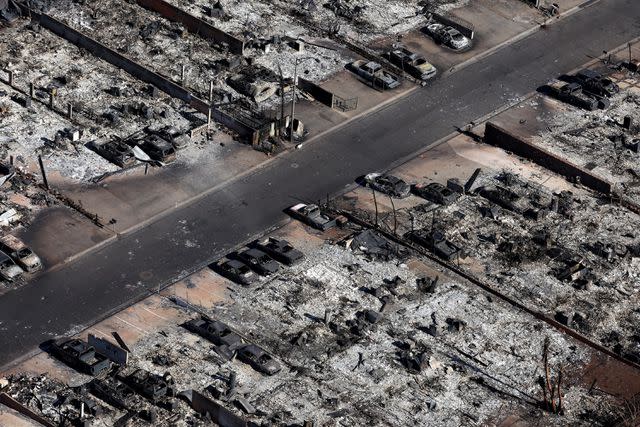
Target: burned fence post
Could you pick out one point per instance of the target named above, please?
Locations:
(70, 111)
(395, 217)
(375, 203)
(52, 99)
(44, 174)
(32, 90)
(10, 73)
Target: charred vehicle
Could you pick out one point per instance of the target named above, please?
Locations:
(373, 73)
(20, 253)
(236, 271)
(81, 356)
(412, 63)
(221, 335)
(9, 270)
(448, 36)
(387, 184)
(436, 193)
(259, 261)
(158, 149)
(152, 386)
(259, 359)
(595, 83)
(113, 392)
(435, 242)
(312, 215)
(116, 151)
(280, 250)
(572, 94)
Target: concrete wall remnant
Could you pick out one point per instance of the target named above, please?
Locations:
(495, 135)
(219, 415)
(111, 351)
(195, 25)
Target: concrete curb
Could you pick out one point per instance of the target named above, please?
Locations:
(315, 138)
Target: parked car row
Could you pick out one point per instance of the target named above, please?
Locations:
(262, 257)
(158, 146)
(83, 357)
(16, 258)
(228, 344)
(587, 89)
(412, 63)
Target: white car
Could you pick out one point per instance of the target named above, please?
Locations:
(20, 253)
(448, 36)
(8, 268)
(312, 215)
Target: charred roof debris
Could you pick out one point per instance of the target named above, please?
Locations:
(441, 304)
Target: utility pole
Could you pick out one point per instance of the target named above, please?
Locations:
(395, 218)
(281, 97)
(293, 100)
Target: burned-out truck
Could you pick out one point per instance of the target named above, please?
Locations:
(573, 94)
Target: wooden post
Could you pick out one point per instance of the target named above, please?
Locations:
(44, 174)
(375, 203)
(395, 218)
(10, 78)
(32, 90)
(70, 111)
(211, 91)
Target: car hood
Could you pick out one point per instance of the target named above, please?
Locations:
(12, 271)
(426, 67)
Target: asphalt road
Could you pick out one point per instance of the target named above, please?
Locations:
(101, 282)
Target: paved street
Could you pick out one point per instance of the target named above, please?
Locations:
(103, 281)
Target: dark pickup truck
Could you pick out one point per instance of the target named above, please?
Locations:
(595, 83)
(573, 94)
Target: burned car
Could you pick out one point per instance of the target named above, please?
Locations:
(221, 335)
(178, 139)
(436, 193)
(435, 242)
(113, 392)
(448, 36)
(116, 151)
(81, 356)
(280, 250)
(387, 184)
(9, 270)
(158, 149)
(20, 253)
(259, 359)
(595, 83)
(255, 82)
(235, 271)
(572, 94)
(258, 261)
(312, 215)
(412, 63)
(373, 73)
(152, 386)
